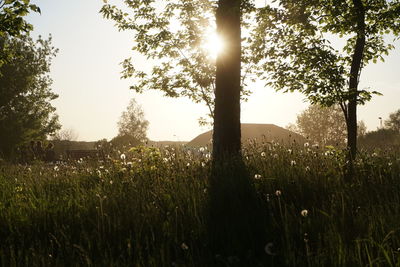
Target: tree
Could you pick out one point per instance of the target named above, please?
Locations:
(294, 53)
(324, 125)
(393, 122)
(172, 33)
(66, 135)
(226, 134)
(132, 126)
(25, 93)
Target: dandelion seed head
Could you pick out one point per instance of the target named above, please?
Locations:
(278, 193)
(263, 154)
(268, 249)
(304, 213)
(184, 246)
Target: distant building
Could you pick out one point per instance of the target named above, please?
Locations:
(256, 133)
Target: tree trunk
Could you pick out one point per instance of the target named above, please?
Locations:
(226, 136)
(355, 70)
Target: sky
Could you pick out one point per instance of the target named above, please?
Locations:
(86, 75)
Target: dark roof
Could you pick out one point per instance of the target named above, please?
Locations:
(257, 132)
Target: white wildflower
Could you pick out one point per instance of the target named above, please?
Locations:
(123, 157)
(263, 154)
(278, 193)
(184, 246)
(304, 213)
(293, 163)
(257, 176)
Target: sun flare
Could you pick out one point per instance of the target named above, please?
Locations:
(213, 45)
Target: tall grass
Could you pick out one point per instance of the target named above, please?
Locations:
(150, 207)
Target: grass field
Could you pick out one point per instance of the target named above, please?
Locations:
(151, 207)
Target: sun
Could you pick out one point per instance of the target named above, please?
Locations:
(213, 44)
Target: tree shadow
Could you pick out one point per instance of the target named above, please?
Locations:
(236, 219)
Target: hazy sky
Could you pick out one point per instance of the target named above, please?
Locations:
(92, 96)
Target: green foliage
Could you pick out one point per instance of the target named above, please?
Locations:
(149, 208)
(292, 45)
(12, 22)
(124, 141)
(25, 93)
(172, 34)
(11, 16)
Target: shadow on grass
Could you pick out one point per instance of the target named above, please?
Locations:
(236, 220)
